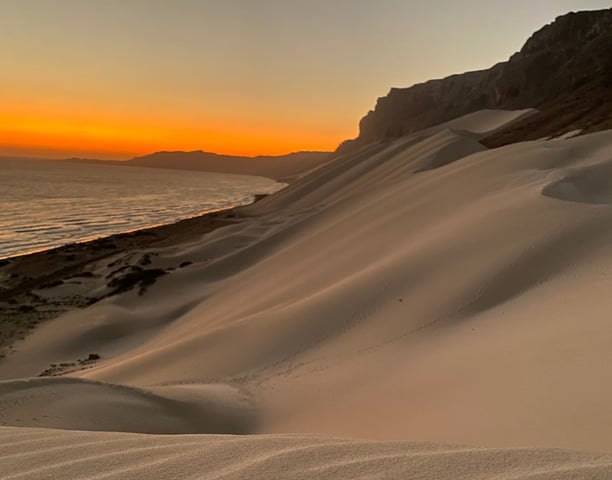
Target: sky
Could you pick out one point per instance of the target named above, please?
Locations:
(119, 78)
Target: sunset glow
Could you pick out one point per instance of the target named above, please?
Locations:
(116, 79)
(56, 136)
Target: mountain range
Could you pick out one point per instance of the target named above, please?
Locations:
(281, 167)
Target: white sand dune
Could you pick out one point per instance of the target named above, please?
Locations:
(425, 289)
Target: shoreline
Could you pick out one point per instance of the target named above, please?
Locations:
(110, 235)
(10, 257)
(256, 197)
(22, 309)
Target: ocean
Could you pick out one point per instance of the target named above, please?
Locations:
(46, 204)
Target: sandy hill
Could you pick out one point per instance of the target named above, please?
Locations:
(564, 70)
(412, 296)
(423, 289)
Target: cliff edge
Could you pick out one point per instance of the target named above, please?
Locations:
(564, 70)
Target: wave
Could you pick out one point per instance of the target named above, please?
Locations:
(40, 210)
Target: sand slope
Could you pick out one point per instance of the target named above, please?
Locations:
(425, 289)
(34, 453)
(71, 404)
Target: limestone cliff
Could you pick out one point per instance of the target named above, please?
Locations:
(564, 70)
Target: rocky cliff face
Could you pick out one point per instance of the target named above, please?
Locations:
(564, 70)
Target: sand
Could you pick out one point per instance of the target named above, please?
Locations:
(421, 290)
(28, 283)
(38, 453)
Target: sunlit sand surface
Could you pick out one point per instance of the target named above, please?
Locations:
(425, 289)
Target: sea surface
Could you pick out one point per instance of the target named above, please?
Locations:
(46, 204)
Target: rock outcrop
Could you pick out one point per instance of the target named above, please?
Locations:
(564, 70)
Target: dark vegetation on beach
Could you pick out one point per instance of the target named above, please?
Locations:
(37, 287)
(135, 277)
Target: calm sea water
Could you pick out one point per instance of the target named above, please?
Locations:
(45, 204)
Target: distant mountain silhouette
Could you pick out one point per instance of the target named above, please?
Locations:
(564, 70)
(282, 167)
(276, 167)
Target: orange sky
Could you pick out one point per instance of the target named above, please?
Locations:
(99, 135)
(116, 78)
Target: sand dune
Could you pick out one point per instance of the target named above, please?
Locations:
(589, 184)
(36, 453)
(425, 289)
(75, 404)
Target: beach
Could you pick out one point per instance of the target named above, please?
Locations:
(22, 276)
